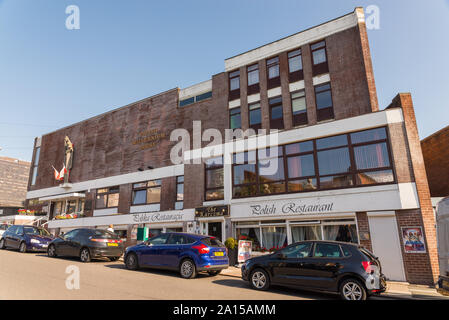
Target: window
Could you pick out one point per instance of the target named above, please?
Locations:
(255, 116)
(276, 113)
(179, 192)
(299, 109)
(303, 233)
(159, 240)
(319, 58)
(35, 165)
(273, 72)
(253, 79)
(345, 233)
(107, 198)
(194, 99)
(214, 179)
(327, 250)
(298, 251)
(295, 65)
(147, 192)
(347, 160)
(234, 85)
(323, 97)
(235, 118)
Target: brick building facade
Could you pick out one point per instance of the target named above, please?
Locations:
(344, 170)
(13, 184)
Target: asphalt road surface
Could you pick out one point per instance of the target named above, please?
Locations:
(36, 276)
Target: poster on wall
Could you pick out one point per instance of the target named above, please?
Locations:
(134, 232)
(244, 251)
(413, 240)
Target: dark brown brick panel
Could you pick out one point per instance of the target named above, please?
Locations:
(14, 175)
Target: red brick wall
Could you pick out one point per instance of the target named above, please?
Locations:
(420, 268)
(435, 149)
(363, 226)
(14, 178)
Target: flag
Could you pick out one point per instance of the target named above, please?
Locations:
(57, 175)
(63, 172)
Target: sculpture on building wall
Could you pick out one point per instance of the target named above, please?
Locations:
(68, 157)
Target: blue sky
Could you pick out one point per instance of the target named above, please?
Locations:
(125, 51)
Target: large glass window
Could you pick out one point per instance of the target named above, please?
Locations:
(147, 192)
(302, 233)
(273, 67)
(107, 198)
(326, 163)
(35, 165)
(346, 233)
(324, 105)
(253, 74)
(214, 179)
(235, 118)
(276, 113)
(294, 61)
(234, 80)
(179, 192)
(299, 108)
(255, 116)
(318, 52)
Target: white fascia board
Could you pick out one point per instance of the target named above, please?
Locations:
(321, 130)
(274, 92)
(294, 41)
(73, 195)
(234, 103)
(253, 98)
(321, 79)
(146, 175)
(298, 85)
(196, 89)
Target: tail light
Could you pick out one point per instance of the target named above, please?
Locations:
(106, 240)
(202, 248)
(367, 265)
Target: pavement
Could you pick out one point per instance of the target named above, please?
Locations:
(395, 289)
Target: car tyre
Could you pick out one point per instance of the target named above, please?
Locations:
(51, 251)
(23, 247)
(2, 244)
(352, 289)
(85, 255)
(131, 261)
(187, 269)
(259, 279)
(214, 272)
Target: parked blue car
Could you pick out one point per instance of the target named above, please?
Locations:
(26, 238)
(186, 253)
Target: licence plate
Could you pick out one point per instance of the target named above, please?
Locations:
(112, 244)
(219, 254)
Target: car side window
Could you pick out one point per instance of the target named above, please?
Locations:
(346, 251)
(177, 239)
(300, 250)
(12, 229)
(161, 239)
(19, 230)
(327, 250)
(70, 235)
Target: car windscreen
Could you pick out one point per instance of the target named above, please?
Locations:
(212, 242)
(103, 234)
(35, 231)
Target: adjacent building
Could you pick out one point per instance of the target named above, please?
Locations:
(344, 169)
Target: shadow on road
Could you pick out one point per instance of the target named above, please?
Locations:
(279, 290)
(77, 259)
(169, 273)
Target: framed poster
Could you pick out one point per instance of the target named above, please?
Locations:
(244, 251)
(413, 240)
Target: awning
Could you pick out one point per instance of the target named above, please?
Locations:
(66, 196)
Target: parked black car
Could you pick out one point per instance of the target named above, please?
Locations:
(87, 244)
(331, 266)
(25, 238)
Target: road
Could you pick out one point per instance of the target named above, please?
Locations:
(36, 276)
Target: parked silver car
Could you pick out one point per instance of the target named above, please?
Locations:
(3, 227)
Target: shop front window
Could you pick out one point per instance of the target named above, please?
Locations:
(345, 233)
(274, 238)
(302, 233)
(250, 234)
(154, 232)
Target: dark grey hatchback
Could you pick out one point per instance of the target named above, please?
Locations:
(331, 266)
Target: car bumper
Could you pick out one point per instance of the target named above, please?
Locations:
(376, 284)
(37, 247)
(213, 267)
(106, 252)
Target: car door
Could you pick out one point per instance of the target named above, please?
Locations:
(16, 238)
(287, 264)
(63, 246)
(8, 235)
(172, 250)
(74, 243)
(150, 254)
(321, 269)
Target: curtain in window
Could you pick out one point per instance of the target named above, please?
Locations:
(274, 237)
(331, 232)
(302, 233)
(372, 156)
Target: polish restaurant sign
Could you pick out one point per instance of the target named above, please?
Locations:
(157, 217)
(212, 211)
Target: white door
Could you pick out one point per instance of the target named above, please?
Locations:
(386, 245)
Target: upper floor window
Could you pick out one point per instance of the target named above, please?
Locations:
(147, 192)
(214, 179)
(35, 165)
(319, 57)
(234, 85)
(295, 65)
(324, 105)
(107, 197)
(255, 116)
(273, 72)
(276, 113)
(235, 118)
(194, 99)
(299, 109)
(253, 78)
(179, 204)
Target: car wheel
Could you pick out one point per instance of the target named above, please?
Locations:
(131, 261)
(2, 244)
(51, 252)
(214, 273)
(23, 247)
(85, 255)
(352, 289)
(114, 258)
(259, 279)
(187, 269)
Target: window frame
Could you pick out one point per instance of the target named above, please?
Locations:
(177, 194)
(146, 188)
(273, 122)
(322, 67)
(35, 165)
(326, 113)
(107, 193)
(255, 87)
(234, 94)
(297, 75)
(258, 125)
(299, 119)
(274, 81)
(210, 168)
(231, 114)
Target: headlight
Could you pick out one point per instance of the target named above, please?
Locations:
(35, 241)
